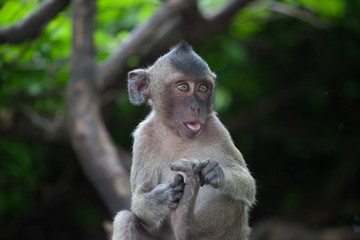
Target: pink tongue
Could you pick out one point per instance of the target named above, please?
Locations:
(194, 126)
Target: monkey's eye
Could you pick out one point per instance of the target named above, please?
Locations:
(183, 87)
(203, 88)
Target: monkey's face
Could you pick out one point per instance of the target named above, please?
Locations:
(187, 104)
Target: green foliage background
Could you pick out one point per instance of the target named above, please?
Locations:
(293, 148)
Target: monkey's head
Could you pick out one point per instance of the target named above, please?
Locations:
(180, 88)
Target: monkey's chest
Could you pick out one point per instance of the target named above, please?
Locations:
(174, 149)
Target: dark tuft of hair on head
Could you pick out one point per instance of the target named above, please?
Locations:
(185, 60)
(183, 47)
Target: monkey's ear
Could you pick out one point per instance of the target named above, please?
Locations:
(138, 86)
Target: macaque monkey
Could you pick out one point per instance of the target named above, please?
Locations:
(188, 180)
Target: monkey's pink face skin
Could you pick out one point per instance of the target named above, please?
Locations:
(188, 104)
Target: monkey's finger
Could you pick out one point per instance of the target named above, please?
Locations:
(178, 178)
(176, 185)
(180, 167)
(212, 164)
(202, 179)
(197, 171)
(198, 167)
(173, 205)
(183, 165)
(179, 188)
(173, 184)
(177, 196)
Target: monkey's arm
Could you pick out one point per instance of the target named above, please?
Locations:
(237, 181)
(239, 184)
(226, 169)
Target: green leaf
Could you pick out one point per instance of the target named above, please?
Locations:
(250, 20)
(223, 99)
(12, 11)
(330, 8)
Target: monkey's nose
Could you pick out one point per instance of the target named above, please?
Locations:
(196, 110)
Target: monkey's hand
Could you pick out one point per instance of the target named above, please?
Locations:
(169, 194)
(186, 166)
(210, 173)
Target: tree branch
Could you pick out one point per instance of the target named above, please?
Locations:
(30, 125)
(142, 40)
(33, 25)
(90, 139)
(175, 20)
(26, 124)
(302, 15)
(199, 26)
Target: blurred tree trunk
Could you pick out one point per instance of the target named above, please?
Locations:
(90, 139)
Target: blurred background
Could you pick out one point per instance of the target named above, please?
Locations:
(288, 91)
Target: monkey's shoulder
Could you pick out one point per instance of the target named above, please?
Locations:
(150, 130)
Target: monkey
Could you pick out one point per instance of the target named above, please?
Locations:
(183, 158)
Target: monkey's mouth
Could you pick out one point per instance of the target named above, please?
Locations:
(193, 127)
